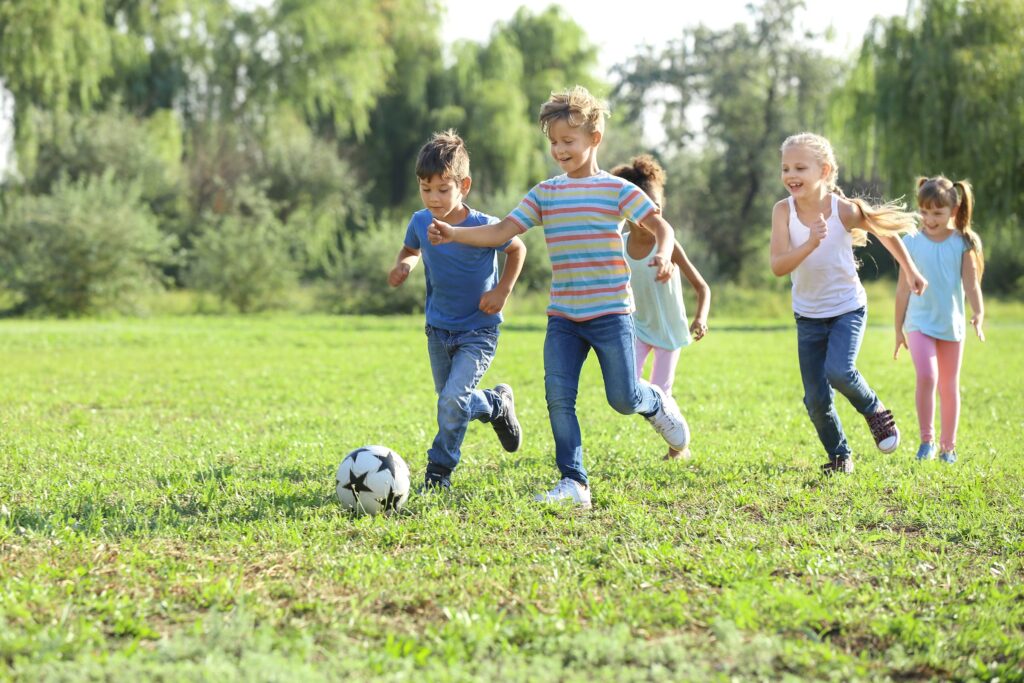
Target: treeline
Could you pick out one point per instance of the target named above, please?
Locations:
(242, 152)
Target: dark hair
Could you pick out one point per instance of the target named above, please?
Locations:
(445, 154)
(645, 172)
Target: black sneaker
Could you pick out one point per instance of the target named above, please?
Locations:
(838, 465)
(506, 426)
(434, 483)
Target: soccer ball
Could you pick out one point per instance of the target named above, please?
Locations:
(373, 479)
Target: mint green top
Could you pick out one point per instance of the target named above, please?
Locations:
(660, 316)
(939, 312)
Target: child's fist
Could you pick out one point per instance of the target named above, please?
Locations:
(819, 230)
(398, 274)
(698, 329)
(977, 321)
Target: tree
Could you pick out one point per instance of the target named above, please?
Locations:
(758, 83)
(942, 91)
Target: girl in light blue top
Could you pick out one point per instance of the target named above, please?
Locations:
(932, 324)
(660, 315)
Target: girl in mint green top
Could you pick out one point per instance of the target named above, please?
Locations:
(932, 324)
(659, 315)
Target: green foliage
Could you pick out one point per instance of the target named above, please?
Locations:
(759, 85)
(939, 91)
(244, 256)
(357, 279)
(145, 152)
(90, 246)
(55, 54)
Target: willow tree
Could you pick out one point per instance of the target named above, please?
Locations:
(941, 90)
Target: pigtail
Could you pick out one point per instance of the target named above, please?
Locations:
(962, 221)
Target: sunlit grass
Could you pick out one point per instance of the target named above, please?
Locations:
(167, 512)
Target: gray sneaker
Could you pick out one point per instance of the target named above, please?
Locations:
(567, 491)
(669, 422)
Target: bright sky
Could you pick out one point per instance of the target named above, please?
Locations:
(619, 33)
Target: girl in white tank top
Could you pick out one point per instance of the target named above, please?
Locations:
(828, 299)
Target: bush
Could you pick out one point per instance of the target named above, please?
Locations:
(244, 256)
(357, 280)
(90, 246)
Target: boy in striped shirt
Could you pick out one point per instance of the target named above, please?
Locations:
(591, 301)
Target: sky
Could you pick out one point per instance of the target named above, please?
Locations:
(618, 34)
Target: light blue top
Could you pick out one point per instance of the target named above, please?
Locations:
(457, 274)
(660, 316)
(939, 312)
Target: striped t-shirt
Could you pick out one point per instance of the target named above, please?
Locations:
(582, 219)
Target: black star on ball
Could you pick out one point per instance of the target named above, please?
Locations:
(387, 462)
(356, 483)
(390, 501)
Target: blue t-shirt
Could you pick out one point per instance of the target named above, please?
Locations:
(457, 274)
(939, 312)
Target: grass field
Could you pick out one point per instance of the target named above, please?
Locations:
(167, 512)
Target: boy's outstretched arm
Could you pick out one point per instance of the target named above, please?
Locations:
(494, 300)
(699, 326)
(666, 240)
(493, 235)
(405, 262)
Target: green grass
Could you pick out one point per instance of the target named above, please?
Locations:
(167, 513)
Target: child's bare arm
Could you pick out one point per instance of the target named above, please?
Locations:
(494, 300)
(699, 326)
(405, 262)
(784, 256)
(665, 237)
(902, 301)
(493, 235)
(972, 286)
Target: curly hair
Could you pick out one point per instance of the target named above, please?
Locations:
(645, 172)
(577, 107)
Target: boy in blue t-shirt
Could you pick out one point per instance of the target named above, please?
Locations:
(463, 308)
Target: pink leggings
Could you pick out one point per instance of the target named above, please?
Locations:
(664, 371)
(938, 365)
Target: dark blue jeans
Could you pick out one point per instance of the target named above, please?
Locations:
(828, 350)
(566, 346)
(458, 361)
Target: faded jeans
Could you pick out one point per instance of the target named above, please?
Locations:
(828, 350)
(458, 361)
(566, 346)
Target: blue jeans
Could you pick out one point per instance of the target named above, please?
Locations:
(566, 346)
(828, 350)
(458, 361)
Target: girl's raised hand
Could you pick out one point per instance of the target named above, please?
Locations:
(665, 267)
(901, 340)
(977, 320)
(819, 230)
(917, 282)
(440, 232)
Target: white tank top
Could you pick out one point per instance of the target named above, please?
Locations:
(825, 284)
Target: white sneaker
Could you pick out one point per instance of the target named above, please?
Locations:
(669, 422)
(567, 490)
